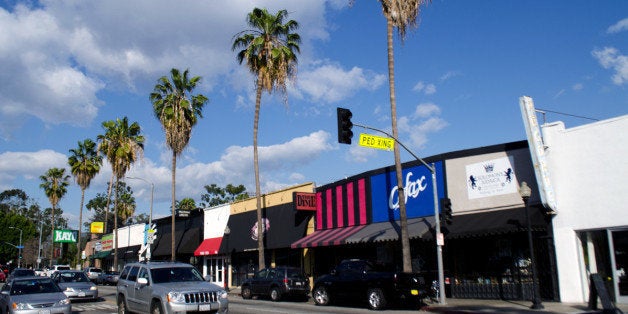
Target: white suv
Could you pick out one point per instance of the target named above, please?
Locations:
(93, 273)
(168, 287)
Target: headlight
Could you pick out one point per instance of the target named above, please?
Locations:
(176, 297)
(69, 289)
(223, 294)
(64, 302)
(21, 306)
(93, 288)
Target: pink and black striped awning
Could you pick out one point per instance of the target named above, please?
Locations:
(327, 237)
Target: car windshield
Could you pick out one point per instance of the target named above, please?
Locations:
(34, 286)
(23, 272)
(175, 274)
(295, 274)
(73, 277)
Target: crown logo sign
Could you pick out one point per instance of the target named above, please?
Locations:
(489, 167)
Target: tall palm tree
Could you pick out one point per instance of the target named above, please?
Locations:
(270, 52)
(178, 110)
(85, 164)
(123, 145)
(400, 14)
(54, 183)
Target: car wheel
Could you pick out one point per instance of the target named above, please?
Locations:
(155, 308)
(321, 296)
(376, 299)
(275, 294)
(122, 309)
(246, 293)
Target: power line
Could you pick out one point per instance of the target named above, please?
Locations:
(543, 111)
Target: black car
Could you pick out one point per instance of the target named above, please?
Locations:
(276, 283)
(108, 277)
(21, 272)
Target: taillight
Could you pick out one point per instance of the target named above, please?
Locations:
(286, 281)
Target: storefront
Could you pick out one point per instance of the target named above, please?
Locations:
(486, 251)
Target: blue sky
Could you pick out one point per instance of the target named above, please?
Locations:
(67, 66)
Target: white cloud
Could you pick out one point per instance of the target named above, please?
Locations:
(577, 86)
(618, 27)
(425, 110)
(428, 89)
(329, 83)
(449, 75)
(611, 58)
(421, 123)
(28, 165)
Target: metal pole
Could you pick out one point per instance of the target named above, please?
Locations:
(525, 192)
(39, 248)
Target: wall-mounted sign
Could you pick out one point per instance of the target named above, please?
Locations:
(96, 227)
(107, 242)
(491, 178)
(65, 236)
(304, 201)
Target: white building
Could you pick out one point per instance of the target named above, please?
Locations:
(583, 176)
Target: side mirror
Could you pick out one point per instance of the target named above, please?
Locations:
(333, 272)
(207, 278)
(142, 281)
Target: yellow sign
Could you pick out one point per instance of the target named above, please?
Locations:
(97, 227)
(368, 140)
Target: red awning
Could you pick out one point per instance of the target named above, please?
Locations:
(327, 237)
(208, 247)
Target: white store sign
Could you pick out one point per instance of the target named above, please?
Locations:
(491, 177)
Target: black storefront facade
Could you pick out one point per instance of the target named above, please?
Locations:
(486, 253)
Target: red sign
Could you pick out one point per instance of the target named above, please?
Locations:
(304, 201)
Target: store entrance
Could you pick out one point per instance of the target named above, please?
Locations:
(215, 270)
(619, 247)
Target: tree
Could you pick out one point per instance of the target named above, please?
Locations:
(270, 52)
(178, 110)
(123, 145)
(216, 195)
(54, 183)
(400, 14)
(187, 204)
(85, 164)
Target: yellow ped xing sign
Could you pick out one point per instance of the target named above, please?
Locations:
(379, 142)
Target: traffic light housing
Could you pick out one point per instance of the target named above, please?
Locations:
(446, 213)
(344, 126)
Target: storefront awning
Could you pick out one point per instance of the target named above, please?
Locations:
(208, 247)
(391, 230)
(101, 254)
(328, 237)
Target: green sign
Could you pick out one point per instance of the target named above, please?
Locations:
(65, 236)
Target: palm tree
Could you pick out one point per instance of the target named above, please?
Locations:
(123, 145)
(270, 52)
(54, 183)
(85, 163)
(178, 111)
(400, 14)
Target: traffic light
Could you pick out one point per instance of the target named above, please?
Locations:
(446, 213)
(344, 126)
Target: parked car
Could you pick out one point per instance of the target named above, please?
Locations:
(361, 280)
(93, 273)
(41, 271)
(75, 284)
(277, 283)
(108, 277)
(55, 268)
(3, 277)
(33, 295)
(21, 272)
(168, 287)
(5, 270)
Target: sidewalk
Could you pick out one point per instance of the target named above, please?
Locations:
(467, 306)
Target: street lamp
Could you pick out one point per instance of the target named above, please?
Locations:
(150, 217)
(525, 193)
(19, 248)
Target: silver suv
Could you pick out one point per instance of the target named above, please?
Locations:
(168, 287)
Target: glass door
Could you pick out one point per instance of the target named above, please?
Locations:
(620, 262)
(215, 270)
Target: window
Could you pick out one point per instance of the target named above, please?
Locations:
(133, 273)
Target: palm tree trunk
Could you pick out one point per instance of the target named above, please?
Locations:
(52, 236)
(78, 241)
(108, 202)
(260, 226)
(173, 256)
(403, 220)
(115, 227)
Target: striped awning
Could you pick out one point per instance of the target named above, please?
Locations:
(327, 237)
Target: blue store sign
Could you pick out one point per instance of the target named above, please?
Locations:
(419, 193)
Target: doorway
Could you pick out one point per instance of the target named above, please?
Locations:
(216, 270)
(619, 249)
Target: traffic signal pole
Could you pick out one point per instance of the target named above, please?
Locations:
(440, 240)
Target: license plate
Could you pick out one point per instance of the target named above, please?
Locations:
(44, 311)
(205, 307)
(299, 283)
(414, 292)
(81, 294)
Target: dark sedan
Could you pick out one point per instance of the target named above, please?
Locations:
(108, 277)
(276, 283)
